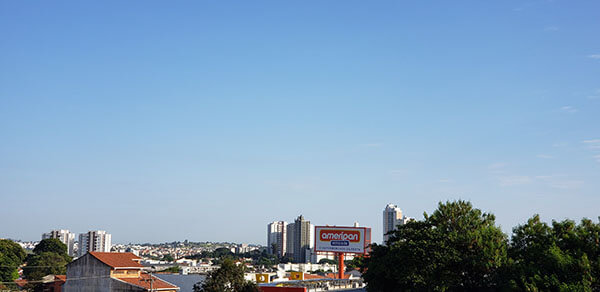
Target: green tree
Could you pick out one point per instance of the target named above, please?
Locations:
(328, 261)
(11, 257)
(50, 245)
(45, 263)
(173, 269)
(222, 252)
(228, 278)
(356, 262)
(168, 258)
(49, 258)
(560, 257)
(457, 248)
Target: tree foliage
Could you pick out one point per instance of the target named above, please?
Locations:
(49, 258)
(228, 278)
(45, 263)
(328, 261)
(560, 257)
(457, 248)
(50, 245)
(168, 258)
(259, 257)
(11, 257)
(354, 263)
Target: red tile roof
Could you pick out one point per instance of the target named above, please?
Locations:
(21, 282)
(144, 282)
(312, 276)
(60, 277)
(308, 276)
(118, 259)
(335, 276)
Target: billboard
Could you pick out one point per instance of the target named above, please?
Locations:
(342, 239)
(262, 278)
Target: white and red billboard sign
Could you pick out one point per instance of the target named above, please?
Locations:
(341, 239)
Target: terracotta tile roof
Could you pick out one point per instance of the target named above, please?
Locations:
(312, 276)
(118, 259)
(62, 278)
(335, 276)
(144, 282)
(21, 282)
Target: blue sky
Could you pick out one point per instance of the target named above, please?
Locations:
(205, 120)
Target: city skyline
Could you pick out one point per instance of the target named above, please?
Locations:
(205, 120)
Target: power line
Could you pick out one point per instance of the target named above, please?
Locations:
(75, 278)
(67, 279)
(33, 266)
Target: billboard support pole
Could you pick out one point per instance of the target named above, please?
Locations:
(340, 265)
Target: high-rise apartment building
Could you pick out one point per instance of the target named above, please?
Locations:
(65, 237)
(392, 217)
(277, 237)
(289, 244)
(302, 239)
(97, 240)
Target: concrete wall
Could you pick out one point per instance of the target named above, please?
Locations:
(88, 274)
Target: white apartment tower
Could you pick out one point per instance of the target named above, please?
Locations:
(65, 237)
(392, 217)
(97, 240)
(277, 237)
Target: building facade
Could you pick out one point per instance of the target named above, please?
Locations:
(392, 217)
(289, 244)
(98, 240)
(111, 271)
(65, 237)
(277, 238)
(302, 239)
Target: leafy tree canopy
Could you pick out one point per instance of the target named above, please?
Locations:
(45, 263)
(168, 258)
(328, 261)
(11, 257)
(457, 248)
(228, 278)
(50, 245)
(558, 257)
(49, 258)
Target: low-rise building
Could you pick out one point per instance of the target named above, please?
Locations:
(111, 271)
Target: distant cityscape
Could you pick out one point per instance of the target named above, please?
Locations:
(293, 242)
(290, 249)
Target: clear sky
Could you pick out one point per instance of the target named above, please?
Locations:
(205, 120)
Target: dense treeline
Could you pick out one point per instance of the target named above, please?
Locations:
(49, 257)
(12, 256)
(459, 248)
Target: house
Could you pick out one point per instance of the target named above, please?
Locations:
(111, 271)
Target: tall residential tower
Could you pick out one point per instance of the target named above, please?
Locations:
(65, 237)
(392, 217)
(277, 238)
(302, 239)
(97, 240)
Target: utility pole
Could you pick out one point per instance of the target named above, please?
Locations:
(340, 265)
(151, 280)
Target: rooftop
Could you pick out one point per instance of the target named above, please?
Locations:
(118, 259)
(144, 282)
